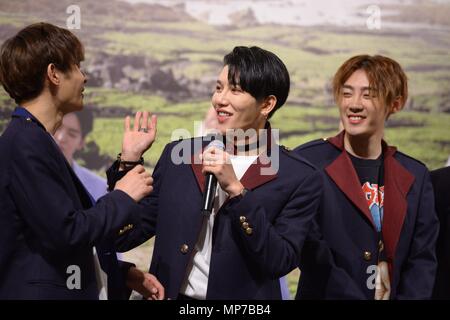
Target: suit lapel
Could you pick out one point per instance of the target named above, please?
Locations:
(252, 178)
(196, 166)
(342, 172)
(397, 183)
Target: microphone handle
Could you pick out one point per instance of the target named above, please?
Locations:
(210, 192)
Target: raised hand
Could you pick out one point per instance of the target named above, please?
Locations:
(138, 139)
(137, 183)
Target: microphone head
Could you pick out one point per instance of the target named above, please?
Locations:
(216, 143)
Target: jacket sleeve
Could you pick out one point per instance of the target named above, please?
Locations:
(275, 246)
(322, 277)
(148, 207)
(419, 271)
(44, 201)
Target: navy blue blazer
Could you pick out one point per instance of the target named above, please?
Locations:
(441, 185)
(278, 207)
(342, 248)
(49, 222)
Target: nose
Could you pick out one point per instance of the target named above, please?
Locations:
(222, 98)
(60, 136)
(356, 109)
(356, 103)
(85, 76)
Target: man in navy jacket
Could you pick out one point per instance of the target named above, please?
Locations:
(441, 185)
(50, 224)
(262, 210)
(375, 234)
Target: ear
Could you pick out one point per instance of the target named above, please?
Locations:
(53, 75)
(268, 105)
(396, 105)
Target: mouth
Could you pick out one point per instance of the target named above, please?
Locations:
(355, 119)
(223, 115)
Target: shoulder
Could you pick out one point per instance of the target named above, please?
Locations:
(294, 158)
(187, 146)
(311, 145)
(317, 146)
(320, 152)
(29, 137)
(184, 146)
(409, 162)
(441, 177)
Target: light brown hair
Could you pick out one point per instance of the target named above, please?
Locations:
(386, 78)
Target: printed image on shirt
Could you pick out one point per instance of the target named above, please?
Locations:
(375, 201)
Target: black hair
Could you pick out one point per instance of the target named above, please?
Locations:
(258, 72)
(86, 119)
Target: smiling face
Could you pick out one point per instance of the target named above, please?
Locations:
(362, 113)
(235, 108)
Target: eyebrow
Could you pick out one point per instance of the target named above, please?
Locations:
(346, 86)
(74, 130)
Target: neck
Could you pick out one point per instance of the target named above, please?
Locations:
(248, 145)
(46, 111)
(362, 147)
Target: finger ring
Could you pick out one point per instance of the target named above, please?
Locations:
(143, 130)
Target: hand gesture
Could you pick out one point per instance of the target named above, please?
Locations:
(139, 139)
(145, 283)
(382, 282)
(217, 162)
(137, 183)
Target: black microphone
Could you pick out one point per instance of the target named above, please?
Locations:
(210, 183)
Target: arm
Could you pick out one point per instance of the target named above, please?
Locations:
(45, 202)
(418, 273)
(321, 274)
(148, 207)
(136, 141)
(275, 247)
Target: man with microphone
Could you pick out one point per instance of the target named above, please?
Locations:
(236, 241)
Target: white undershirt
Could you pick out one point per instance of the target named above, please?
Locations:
(195, 283)
(101, 277)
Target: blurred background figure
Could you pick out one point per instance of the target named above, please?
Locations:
(209, 124)
(71, 138)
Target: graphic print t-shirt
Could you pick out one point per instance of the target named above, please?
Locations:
(370, 173)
